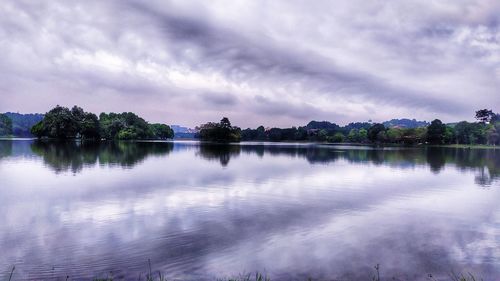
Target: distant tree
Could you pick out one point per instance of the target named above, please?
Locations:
(89, 126)
(353, 135)
(124, 126)
(161, 131)
(374, 131)
(322, 125)
(301, 134)
(5, 125)
(493, 136)
(58, 123)
(435, 132)
(219, 132)
(38, 130)
(449, 135)
(261, 133)
(22, 123)
(322, 135)
(63, 123)
(382, 137)
(275, 134)
(485, 115)
(337, 137)
(358, 125)
(470, 133)
(362, 135)
(394, 135)
(405, 123)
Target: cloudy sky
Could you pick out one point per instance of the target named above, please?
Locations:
(277, 63)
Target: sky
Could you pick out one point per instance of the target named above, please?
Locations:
(272, 63)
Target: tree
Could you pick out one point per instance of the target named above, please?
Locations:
(58, 123)
(394, 135)
(353, 135)
(161, 131)
(127, 126)
(22, 123)
(449, 135)
(485, 115)
(219, 132)
(63, 123)
(374, 131)
(470, 133)
(38, 130)
(493, 136)
(89, 126)
(435, 132)
(338, 137)
(5, 125)
(362, 135)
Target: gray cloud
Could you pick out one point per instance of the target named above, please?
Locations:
(189, 62)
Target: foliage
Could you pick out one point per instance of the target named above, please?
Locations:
(63, 123)
(322, 125)
(5, 125)
(337, 137)
(129, 126)
(376, 132)
(60, 122)
(470, 133)
(219, 132)
(161, 131)
(485, 115)
(405, 123)
(435, 132)
(22, 123)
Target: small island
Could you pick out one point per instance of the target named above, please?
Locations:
(64, 123)
(222, 132)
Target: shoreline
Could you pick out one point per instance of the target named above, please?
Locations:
(461, 146)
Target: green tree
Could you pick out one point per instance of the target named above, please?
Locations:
(435, 132)
(89, 126)
(322, 135)
(470, 133)
(449, 135)
(353, 135)
(337, 137)
(125, 126)
(374, 132)
(5, 125)
(161, 131)
(58, 123)
(485, 115)
(362, 135)
(493, 136)
(394, 135)
(219, 132)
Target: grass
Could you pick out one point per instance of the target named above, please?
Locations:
(150, 276)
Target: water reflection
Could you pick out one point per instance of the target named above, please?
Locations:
(5, 148)
(73, 156)
(219, 152)
(294, 210)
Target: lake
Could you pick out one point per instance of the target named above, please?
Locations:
(289, 210)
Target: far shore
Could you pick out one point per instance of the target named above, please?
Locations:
(462, 146)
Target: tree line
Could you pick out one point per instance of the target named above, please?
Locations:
(64, 123)
(485, 131)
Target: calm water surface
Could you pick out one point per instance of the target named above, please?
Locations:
(293, 211)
